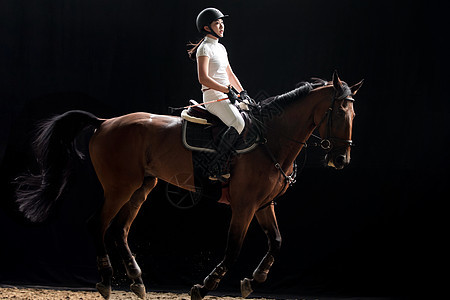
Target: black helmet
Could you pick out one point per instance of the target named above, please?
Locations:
(206, 17)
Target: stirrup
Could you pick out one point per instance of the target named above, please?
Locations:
(223, 178)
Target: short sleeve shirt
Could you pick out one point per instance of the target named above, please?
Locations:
(218, 60)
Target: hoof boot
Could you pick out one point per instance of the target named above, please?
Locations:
(138, 289)
(132, 268)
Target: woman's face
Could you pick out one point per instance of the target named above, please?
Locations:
(218, 27)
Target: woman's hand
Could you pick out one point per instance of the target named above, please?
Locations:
(244, 96)
(232, 95)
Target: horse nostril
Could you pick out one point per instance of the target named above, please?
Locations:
(340, 160)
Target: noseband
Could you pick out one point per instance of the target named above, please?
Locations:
(329, 142)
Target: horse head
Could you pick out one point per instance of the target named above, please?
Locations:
(336, 126)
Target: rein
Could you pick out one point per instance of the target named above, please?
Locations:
(289, 179)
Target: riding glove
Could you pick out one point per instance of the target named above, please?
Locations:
(244, 96)
(232, 94)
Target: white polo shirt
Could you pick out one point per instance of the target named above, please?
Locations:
(217, 68)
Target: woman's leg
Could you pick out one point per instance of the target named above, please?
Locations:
(228, 113)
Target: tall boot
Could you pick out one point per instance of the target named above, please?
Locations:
(219, 167)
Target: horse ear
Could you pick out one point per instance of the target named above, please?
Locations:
(337, 83)
(356, 87)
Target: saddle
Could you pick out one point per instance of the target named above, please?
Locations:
(202, 130)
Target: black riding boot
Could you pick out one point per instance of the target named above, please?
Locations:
(219, 166)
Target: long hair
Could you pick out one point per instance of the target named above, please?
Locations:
(191, 52)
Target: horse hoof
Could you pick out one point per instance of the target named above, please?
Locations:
(138, 289)
(246, 287)
(195, 292)
(104, 290)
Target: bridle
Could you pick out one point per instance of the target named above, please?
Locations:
(329, 142)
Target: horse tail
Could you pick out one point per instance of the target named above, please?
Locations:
(55, 148)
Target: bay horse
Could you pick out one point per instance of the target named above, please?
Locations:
(131, 152)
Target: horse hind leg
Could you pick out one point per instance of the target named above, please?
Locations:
(98, 224)
(121, 227)
(267, 219)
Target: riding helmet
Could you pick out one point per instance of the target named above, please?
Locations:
(206, 17)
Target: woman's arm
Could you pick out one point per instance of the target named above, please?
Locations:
(234, 80)
(203, 77)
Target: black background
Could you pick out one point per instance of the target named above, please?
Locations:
(372, 229)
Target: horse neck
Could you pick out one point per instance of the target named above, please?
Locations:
(296, 124)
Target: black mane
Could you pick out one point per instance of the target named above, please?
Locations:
(302, 89)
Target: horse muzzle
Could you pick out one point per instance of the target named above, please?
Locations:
(337, 161)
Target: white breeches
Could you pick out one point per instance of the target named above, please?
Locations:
(227, 112)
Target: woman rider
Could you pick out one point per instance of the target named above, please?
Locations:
(218, 80)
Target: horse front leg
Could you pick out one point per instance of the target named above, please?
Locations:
(240, 220)
(267, 219)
